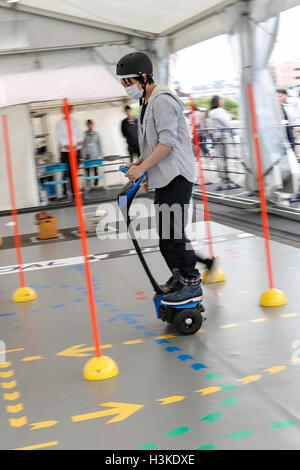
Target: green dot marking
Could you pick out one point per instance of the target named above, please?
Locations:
(283, 424)
(151, 446)
(177, 431)
(239, 435)
(230, 401)
(213, 376)
(228, 387)
(208, 447)
(212, 417)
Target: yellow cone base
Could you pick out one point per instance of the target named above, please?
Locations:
(24, 294)
(100, 368)
(273, 298)
(217, 275)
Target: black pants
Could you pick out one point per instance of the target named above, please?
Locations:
(173, 243)
(290, 136)
(87, 170)
(64, 158)
(133, 150)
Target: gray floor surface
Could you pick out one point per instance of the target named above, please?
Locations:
(234, 385)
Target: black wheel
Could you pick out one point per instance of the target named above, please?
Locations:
(188, 321)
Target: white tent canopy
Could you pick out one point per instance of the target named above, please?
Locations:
(85, 83)
(184, 23)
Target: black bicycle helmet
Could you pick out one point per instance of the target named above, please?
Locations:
(134, 64)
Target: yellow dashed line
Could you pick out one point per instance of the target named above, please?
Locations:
(232, 325)
(18, 422)
(6, 375)
(8, 385)
(31, 358)
(276, 369)
(5, 365)
(208, 390)
(169, 400)
(165, 337)
(11, 396)
(39, 446)
(135, 341)
(13, 350)
(14, 408)
(290, 315)
(249, 379)
(42, 425)
(260, 320)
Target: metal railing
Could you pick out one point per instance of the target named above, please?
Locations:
(223, 156)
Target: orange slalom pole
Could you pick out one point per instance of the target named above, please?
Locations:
(202, 179)
(78, 201)
(12, 200)
(264, 213)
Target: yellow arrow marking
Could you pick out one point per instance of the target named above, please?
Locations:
(18, 423)
(276, 369)
(6, 375)
(31, 358)
(4, 365)
(122, 410)
(11, 396)
(249, 379)
(39, 446)
(77, 351)
(290, 315)
(14, 408)
(165, 337)
(208, 391)
(260, 320)
(42, 424)
(232, 325)
(11, 384)
(168, 400)
(135, 341)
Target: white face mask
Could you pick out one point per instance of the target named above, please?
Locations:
(134, 92)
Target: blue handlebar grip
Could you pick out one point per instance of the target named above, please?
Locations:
(123, 168)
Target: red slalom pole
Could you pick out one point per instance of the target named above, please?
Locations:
(78, 201)
(13, 201)
(264, 213)
(202, 178)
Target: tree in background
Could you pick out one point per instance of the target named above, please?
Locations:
(228, 104)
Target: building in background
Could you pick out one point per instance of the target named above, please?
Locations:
(286, 74)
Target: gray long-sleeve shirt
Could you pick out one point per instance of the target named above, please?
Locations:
(164, 123)
(91, 146)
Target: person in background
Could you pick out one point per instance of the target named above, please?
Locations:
(221, 122)
(199, 117)
(129, 129)
(91, 147)
(291, 113)
(61, 133)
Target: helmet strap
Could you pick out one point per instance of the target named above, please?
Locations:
(142, 100)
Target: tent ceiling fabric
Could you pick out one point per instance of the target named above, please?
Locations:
(184, 22)
(155, 16)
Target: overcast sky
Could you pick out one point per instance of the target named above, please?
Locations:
(214, 58)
